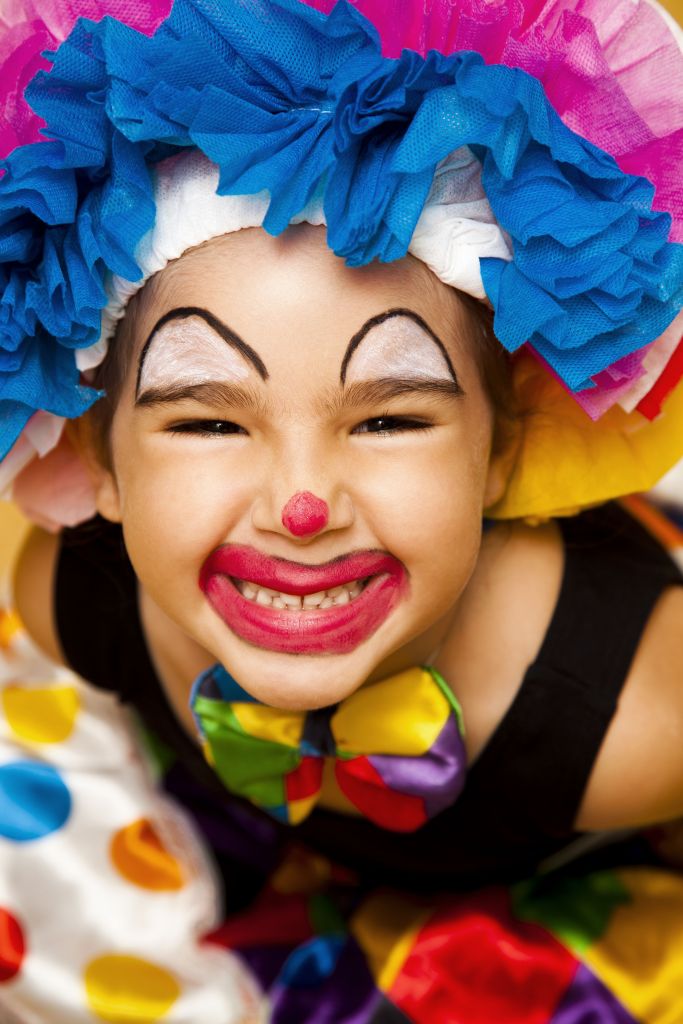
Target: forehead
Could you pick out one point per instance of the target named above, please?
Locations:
(293, 300)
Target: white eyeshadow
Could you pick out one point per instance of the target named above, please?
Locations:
(189, 352)
(397, 347)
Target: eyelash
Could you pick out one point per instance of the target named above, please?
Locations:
(401, 425)
(201, 427)
(396, 425)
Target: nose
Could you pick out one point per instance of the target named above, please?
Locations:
(300, 489)
(305, 514)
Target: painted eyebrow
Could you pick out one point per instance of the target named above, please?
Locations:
(358, 393)
(228, 335)
(379, 319)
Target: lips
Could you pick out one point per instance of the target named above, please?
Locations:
(335, 630)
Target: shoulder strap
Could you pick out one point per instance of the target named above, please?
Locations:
(615, 571)
(543, 751)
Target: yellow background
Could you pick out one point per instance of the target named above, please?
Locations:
(11, 525)
(11, 530)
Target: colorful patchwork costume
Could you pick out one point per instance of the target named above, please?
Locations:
(122, 902)
(343, 866)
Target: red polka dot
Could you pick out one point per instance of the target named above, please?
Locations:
(12, 946)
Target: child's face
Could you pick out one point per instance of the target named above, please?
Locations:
(391, 430)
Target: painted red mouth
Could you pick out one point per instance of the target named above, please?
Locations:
(367, 586)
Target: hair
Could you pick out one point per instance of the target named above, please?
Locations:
(493, 364)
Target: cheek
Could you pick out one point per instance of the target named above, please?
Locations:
(445, 533)
(177, 504)
(428, 508)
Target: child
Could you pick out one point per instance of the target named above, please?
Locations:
(296, 451)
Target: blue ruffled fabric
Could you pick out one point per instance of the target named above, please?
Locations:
(286, 99)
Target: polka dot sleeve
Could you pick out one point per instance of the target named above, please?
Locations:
(105, 889)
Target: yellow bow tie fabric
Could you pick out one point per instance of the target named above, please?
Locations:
(392, 752)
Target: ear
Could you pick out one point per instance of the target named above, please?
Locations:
(89, 448)
(506, 449)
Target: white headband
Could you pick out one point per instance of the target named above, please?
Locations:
(456, 228)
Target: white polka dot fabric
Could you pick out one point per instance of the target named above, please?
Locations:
(105, 890)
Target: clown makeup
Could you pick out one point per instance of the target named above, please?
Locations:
(188, 347)
(397, 343)
(295, 374)
(304, 514)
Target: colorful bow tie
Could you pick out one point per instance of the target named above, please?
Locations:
(393, 751)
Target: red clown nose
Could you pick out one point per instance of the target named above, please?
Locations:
(304, 514)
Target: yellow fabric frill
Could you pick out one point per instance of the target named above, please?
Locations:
(565, 462)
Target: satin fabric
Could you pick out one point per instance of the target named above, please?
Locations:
(393, 751)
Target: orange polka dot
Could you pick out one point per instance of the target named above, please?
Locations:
(139, 855)
(41, 714)
(128, 990)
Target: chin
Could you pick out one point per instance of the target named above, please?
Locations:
(301, 695)
(297, 682)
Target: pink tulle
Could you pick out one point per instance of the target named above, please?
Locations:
(612, 385)
(612, 69)
(55, 490)
(28, 27)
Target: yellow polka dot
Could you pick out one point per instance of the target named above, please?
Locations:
(128, 990)
(44, 715)
(139, 855)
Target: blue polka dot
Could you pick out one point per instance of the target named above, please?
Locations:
(34, 801)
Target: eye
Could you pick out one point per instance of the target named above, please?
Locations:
(207, 428)
(390, 425)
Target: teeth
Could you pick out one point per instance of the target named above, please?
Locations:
(322, 599)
